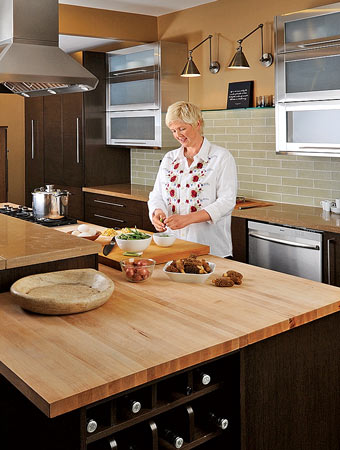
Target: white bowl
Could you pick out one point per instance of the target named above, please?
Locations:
(164, 239)
(133, 245)
(189, 277)
(335, 210)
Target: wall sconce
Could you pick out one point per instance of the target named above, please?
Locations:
(239, 61)
(190, 69)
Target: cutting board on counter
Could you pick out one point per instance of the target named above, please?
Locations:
(180, 249)
(251, 204)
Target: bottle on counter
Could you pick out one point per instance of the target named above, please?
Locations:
(218, 421)
(171, 437)
(91, 425)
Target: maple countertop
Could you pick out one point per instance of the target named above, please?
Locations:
(149, 330)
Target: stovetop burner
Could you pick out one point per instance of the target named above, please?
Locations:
(25, 213)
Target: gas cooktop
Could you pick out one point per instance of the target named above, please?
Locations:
(26, 213)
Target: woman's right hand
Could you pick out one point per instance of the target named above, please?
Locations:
(158, 217)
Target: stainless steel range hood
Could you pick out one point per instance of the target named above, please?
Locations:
(31, 63)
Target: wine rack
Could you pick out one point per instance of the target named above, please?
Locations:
(195, 408)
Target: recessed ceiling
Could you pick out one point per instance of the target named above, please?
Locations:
(148, 7)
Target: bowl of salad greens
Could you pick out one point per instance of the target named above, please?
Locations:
(134, 241)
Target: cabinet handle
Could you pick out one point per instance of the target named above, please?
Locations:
(329, 241)
(109, 203)
(109, 218)
(128, 72)
(78, 153)
(128, 143)
(32, 138)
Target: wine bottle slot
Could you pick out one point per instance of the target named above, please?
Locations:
(203, 378)
(91, 426)
(220, 422)
(135, 406)
(171, 437)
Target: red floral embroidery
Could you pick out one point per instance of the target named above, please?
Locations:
(195, 178)
(173, 208)
(193, 193)
(186, 201)
(172, 193)
(187, 185)
(178, 185)
(181, 171)
(176, 166)
(199, 165)
(173, 178)
(193, 208)
(178, 200)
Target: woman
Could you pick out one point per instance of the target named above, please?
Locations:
(195, 189)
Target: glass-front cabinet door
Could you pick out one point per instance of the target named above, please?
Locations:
(309, 28)
(308, 75)
(308, 128)
(133, 78)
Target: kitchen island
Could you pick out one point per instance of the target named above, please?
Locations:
(27, 248)
(271, 346)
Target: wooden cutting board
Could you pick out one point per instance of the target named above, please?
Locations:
(180, 249)
(251, 204)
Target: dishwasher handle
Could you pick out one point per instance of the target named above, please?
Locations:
(283, 241)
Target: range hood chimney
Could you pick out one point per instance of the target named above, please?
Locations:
(31, 62)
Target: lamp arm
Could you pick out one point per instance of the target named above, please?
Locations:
(249, 34)
(209, 37)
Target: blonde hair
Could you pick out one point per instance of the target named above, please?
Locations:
(186, 112)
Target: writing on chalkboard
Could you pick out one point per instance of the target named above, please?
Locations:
(240, 95)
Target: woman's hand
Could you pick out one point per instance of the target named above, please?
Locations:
(178, 221)
(158, 219)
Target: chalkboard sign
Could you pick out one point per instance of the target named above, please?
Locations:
(240, 95)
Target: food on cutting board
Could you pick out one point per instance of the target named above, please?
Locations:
(84, 231)
(189, 265)
(112, 232)
(228, 279)
(133, 235)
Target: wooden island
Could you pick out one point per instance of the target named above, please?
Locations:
(271, 347)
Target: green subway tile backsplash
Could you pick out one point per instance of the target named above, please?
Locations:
(250, 136)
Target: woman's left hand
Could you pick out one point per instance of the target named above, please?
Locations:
(177, 221)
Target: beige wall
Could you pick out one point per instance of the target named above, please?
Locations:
(228, 21)
(12, 116)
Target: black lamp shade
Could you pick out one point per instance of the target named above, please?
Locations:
(239, 61)
(190, 69)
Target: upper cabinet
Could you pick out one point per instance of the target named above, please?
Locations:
(142, 82)
(133, 79)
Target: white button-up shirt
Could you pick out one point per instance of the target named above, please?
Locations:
(210, 183)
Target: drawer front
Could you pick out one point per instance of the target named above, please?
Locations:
(112, 219)
(114, 204)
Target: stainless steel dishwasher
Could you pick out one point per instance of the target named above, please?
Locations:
(284, 249)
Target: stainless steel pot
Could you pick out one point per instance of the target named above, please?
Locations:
(50, 203)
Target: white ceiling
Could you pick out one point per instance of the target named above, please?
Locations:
(148, 7)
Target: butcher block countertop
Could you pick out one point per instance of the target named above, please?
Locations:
(280, 213)
(23, 243)
(149, 330)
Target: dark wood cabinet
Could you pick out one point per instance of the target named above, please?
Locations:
(34, 146)
(3, 165)
(68, 145)
(239, 239)
(116, 212)
(331, 258)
